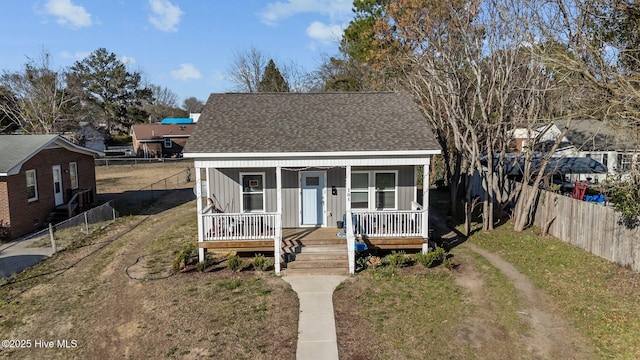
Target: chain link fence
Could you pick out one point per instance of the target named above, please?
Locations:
(64, 234)
(135, 201)
(106, 161)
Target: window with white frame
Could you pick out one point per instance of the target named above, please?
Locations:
(252, 192)
(73, 174)
(32, 185)
(359, 190)
(374, 190)
(167, 142)
(625, 162)
(385, 190)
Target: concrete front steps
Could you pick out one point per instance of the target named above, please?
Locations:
(319, 257)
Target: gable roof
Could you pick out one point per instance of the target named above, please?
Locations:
(601, 135)
(157, 132)
(17, 149)
(310, 123)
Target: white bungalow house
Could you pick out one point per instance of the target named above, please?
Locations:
(268, 164)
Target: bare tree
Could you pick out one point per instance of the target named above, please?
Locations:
(479, 69)
(338, 74)
(295, 76)
(164, 96)
(192, 105)
(35, 100)
(247, 69)
(476, 70)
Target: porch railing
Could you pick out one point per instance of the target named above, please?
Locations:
(79, 201)
(387, 223)
(239, 226)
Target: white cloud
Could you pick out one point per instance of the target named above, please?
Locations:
(67, 13)
(279, 10)
(186, 72)
(325, 33)
(166, 16)
(127, 61)
(78, 55)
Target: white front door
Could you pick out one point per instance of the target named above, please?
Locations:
(312, 198)
(57, 185)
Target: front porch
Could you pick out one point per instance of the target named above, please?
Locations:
(320, 247)
(294, 238)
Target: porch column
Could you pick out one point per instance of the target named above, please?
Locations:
(425, 205)
(277, 241)
(201, 251)
(349, 225)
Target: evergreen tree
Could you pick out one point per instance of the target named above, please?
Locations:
(104, 83)
(272, 80)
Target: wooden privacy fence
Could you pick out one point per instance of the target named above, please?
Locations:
(593, 227)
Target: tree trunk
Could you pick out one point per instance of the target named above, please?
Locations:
(454, 185)
(469, 205)
(524, 208)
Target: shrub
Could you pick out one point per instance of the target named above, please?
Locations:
(361, 262)
(185, 257)
(4, 231)
(261, 263)
(374, 262)
(625, 198)
(384, 272)
(396, 259)
(201, 266)
(234, 263)
(432, 258)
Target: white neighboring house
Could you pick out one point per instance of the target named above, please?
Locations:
(611, 143)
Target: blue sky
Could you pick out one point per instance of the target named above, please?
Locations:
(187, 46)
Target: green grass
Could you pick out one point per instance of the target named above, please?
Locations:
(215, 314)
(598, 297)
(165, 247)
(400, 313)
(388, 313)
(69, 237)
(502, 294)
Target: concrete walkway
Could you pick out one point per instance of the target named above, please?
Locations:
(316, 326)
(16, 256)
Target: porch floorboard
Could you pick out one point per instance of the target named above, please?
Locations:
(292, 238)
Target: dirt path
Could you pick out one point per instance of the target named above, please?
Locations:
(549, 335)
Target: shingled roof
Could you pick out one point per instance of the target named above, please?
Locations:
(16, 149)
(601, 135)
(311, 122)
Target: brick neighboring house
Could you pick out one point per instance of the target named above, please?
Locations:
(160, 140)
(39, 173)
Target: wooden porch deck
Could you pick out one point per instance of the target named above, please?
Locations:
(292, 238)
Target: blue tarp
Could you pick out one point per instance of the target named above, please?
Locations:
(167, 121)
(560, 165)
